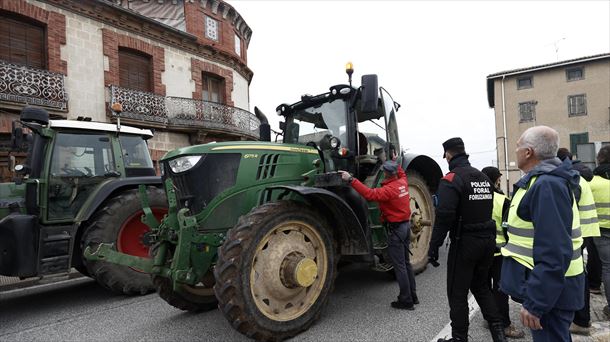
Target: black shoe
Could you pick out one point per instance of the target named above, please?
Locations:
(497, 332)
(402, 305)
(453, 339)
(415, 300)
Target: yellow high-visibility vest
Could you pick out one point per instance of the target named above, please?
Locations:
(496, 215)
(587, 210)
(520, 245)
(600, 188)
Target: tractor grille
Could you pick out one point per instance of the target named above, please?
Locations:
(197, 187)
(267, 166)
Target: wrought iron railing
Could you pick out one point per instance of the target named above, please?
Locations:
(179, 111)
(22, 84)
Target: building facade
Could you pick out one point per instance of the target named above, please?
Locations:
(178, 66)
(572, 96)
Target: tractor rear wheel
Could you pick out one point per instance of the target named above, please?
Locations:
(275, 271)
(118, 222)
(422, 219)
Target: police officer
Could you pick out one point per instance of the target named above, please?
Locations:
(394, 203)
(464, 209)
(500, 208)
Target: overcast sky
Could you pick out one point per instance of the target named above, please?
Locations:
(432, 56)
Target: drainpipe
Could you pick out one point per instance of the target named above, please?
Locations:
(505, 138)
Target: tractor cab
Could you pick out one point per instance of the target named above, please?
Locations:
(353, 129)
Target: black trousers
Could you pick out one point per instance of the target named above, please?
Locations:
(594, 265)
(500, 297)
(469, 264)
(398, 249)
(582, 317)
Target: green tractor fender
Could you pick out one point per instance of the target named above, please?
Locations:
(107, 189)
(351, 235)
(426, 167)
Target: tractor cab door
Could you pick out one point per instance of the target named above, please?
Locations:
(79, 163)
(377, 140)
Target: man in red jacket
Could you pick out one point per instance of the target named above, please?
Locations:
(394, 203)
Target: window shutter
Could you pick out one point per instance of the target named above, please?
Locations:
(135, 70)
(22, 43)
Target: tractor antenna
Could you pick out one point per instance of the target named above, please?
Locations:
(349, 69)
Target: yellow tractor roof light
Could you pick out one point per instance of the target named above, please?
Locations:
(349, 68)
(117, 107)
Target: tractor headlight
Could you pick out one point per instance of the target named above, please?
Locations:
(183, 163)
(335, 142)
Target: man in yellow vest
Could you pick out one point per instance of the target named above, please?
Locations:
(590, 229)
(543, 266)
(600, 187)
(500, 206)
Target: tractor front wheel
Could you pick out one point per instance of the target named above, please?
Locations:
(275, 271)
(422, 218)
(192, 298)
(118, 222)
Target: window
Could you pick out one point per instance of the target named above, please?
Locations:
(212, 88)
(22, 42)
(525, 82)
(79, 163)
(527, 111)
(576, 139)
(237, 45)
(577, 105)
(135, 70)
(574, 74)
(136, 156)
(211, 28)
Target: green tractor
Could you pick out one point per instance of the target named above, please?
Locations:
(257, 228)
(77, 186)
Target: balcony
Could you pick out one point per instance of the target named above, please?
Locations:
(184, 113)
(21, 85)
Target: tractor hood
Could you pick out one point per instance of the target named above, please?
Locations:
(239, 147)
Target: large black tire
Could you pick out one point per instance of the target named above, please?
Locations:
(422, 220)
(111, 224)
(256, 273)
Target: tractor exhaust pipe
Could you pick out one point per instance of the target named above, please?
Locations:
(265, 128)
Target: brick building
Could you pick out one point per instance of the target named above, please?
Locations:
(571, 96)
(178, 66)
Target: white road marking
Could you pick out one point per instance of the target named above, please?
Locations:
(446, 332)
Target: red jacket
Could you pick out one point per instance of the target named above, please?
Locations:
(393, 197)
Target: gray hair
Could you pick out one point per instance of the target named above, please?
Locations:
(543, 140)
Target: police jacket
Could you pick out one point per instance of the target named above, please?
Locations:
(465, 201)
(549, 204)
(393, 197)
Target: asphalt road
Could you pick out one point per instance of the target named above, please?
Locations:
(358, 310)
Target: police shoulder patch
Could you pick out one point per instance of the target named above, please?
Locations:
(449, 177)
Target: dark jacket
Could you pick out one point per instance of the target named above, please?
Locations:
(392, 196)
(548, 204)
(450, 194)
(583, 169)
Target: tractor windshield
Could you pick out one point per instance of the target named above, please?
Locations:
(319, 121)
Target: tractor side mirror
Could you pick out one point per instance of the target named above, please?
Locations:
(370, 94)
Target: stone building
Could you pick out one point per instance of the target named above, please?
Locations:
(571, 96)
(178, 66)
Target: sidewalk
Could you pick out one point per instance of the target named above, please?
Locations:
(600, 325)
